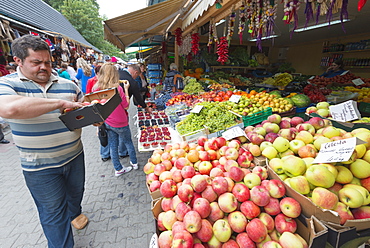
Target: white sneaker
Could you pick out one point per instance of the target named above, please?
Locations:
(122, 171)
(135, 166)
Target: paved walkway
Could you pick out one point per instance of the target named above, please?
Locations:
(119, 209)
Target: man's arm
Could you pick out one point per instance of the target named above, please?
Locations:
(21, 107)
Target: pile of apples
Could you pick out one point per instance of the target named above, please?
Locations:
(321, 108)
(214, 196)
(291, 146)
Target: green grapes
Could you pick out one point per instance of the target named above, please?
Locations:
(213, 115)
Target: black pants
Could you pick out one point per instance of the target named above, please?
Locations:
(1, 134)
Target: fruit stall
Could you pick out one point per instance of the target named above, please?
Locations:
(242, 165)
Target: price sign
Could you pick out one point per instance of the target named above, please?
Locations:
(357, 81)
(311, 78)
(235, 98)
(233, 132)
(344, 73)
(337, 151)
(196, 109)
(154, 241)
(346, 111)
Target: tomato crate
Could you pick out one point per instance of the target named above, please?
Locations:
(257, 117)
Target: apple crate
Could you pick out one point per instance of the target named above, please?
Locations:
(155, 195)
(257, 117)
(94, 113)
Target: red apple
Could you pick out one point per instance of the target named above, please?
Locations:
(192, 221)
(232, 153)
(210, 144)
(187, 171)
(237, 221)
(236, 174)
(290, 207)
(344, 212)
(185, 193)
(219, 185)
(166, 204)
(216, 212)
(169, 218)
(296, 120)
(155, 185)
(275, 188)
(203, 207)
(256, 230)
(268, 221)
(193, 156)
(209, 194)
(273, 207)
(244, 241)
(361, 212)
(181, 209)
(250, 209)
(227, 202)
(221, 141)
(176, 175)
(205, 232)
(178, 226)
(284, 223)
(202, 140)
(230, 244)
(260, 196)
(160, 222)
(260, 171)
(165, 239)
(199, 183)
(241, 192)
(175, 201)
(182, 240)
(205, 167)
(196, 196)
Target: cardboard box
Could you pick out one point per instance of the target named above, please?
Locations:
(342, 236)
(94, 113)
(155, 194)
(312, 230)
(311, 209)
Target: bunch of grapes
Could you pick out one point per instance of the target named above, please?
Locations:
(214, 116)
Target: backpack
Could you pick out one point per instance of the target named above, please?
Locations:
(178, 82)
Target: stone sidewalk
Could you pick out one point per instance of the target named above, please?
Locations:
(119, 209)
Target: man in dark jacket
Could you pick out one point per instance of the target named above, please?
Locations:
(132, 72)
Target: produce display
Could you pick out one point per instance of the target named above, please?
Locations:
(214, 195)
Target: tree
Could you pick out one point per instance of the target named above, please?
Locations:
(84, 17)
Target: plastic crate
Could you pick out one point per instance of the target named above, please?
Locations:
(303, 110)
(154, 74)
(257, 117)
(154, 67)
(364, 109)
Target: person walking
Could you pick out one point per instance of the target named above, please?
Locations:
(84, 72)
(51, 156)
(117, 123)
(142, 81)
(62, 72)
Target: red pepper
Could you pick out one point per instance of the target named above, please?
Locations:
(361, 4)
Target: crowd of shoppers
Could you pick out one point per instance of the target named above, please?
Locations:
(51, 156)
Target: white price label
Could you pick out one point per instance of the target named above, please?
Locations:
(337, 151)
(233, 133)
(154, 241)
(346, 111)
(311, 78)
(196, 109)
(235, 98)
(344, 73)
(357, 81)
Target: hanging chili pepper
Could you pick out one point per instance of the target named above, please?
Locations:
(195, 43)
(178, 34)
(361, 4)
(223, 50)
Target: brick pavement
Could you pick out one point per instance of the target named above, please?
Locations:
(119, 209)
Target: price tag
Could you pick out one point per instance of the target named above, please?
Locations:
(196, 109)
(235, 98)
(346, 111)
(344, 73)
(337, 151)
(153, 241)
(233, 133)
(357, 81)
(311, 78)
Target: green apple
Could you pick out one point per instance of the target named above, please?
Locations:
(322, 105)
(344, 175)
(320, 176)
(276, 164)
(364, 192)
(286, 153)
(330, 132)
(269, 152)
(360, 168)
(308, 161)
(361, 150)
(356, 181)
(305, 136)
(265, 144)
(300, 184)
(295, 144)
(351, 159)
(351, 197)
(331, 168)
(293, 166)
(287, 181)
(281, 144)
(366, 156)
(283, 176)
(251, 180)
(324, 198)
(359, 130)
(319, 141)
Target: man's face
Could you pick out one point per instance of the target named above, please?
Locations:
(37, 66)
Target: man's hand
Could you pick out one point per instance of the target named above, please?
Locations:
(149, 110)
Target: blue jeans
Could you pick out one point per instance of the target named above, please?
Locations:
(58, 193)
(105, 151)
(114, 135)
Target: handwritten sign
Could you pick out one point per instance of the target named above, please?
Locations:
(235, 98)
(346, 111)
(337, 151)
(233, 133)
(196, 109)
(154, 241)
(357, 81)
